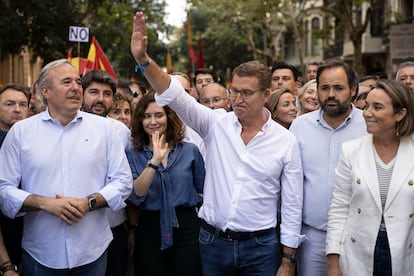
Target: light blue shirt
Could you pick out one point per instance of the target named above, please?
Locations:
(124, 134)
(320, 147)
(84, 157)
(243, 182)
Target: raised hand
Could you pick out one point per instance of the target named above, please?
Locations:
(160, 147)
(139, 39)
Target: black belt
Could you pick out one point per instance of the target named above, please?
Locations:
(236, 236)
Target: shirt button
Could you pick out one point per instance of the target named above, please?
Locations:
(358, 181)
(410, 182)
(359, 210)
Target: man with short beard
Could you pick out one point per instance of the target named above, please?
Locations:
(320, 134)
(99, 89)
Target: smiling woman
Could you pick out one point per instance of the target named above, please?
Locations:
(168, 180)
(282, 105)
(371, 210)
(308, 97)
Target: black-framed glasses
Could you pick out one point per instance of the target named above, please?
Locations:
(244, 93)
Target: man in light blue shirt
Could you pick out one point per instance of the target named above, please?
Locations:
(72, 166)
(99, 89)
(320, 135)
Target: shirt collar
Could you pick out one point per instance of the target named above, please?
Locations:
(237, 124)
(45, 116)
(347, 120)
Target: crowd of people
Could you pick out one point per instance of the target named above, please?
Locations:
(271, 176)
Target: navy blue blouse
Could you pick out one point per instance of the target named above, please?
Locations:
(179, 184)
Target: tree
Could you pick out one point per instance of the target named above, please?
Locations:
(238, 31)
(349, 12)
(43, 26)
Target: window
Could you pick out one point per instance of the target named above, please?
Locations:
(315, 41)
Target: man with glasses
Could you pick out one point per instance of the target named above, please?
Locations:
(214, 96)
(249, 157)
(14, 107)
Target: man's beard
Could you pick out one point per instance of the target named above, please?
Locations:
(89, 109)
(338, 110)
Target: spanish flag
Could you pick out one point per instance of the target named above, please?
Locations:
(191, 52)
(79, 63)
(97, 60)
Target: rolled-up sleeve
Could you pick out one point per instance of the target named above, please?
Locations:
(11, 197)
(119, 185)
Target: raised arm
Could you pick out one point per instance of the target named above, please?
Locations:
(158, 79)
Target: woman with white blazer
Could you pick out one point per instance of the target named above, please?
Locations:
(371, 217)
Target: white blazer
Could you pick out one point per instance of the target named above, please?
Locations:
(355, 212)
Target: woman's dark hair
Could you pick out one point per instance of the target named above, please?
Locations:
(175, 128)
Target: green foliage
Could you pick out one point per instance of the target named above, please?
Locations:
(43, 25)
(235, 31)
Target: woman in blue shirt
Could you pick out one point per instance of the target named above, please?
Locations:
(168, 180)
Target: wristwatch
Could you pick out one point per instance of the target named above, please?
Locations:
(150, 165)
(290, 257)
(92, 203)
(132, 227)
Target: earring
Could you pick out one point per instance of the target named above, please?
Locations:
(397, 133)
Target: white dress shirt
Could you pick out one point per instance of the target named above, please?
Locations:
(124, 134)
(243, 182)
(73, 161)
(193, 137)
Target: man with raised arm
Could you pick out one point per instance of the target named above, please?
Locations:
(238, 234)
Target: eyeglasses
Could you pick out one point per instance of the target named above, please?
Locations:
(213, 100)
(245, 93)
(135, 93)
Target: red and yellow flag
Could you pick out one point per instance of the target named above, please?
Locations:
(191, 52)
(97, 60)
(79, 63)
(200, 58)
